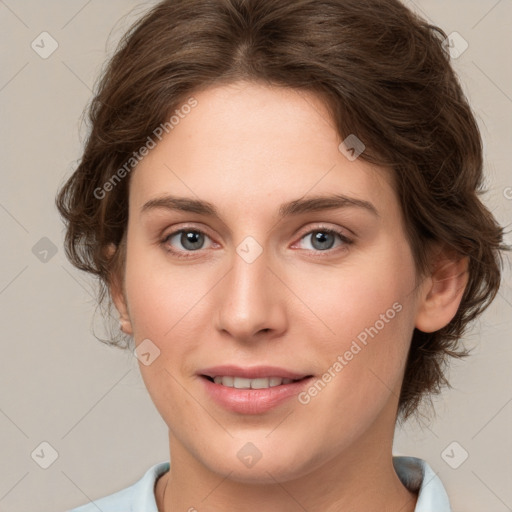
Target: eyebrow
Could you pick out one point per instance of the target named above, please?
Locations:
(295, 207)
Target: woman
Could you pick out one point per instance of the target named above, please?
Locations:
(280, 198)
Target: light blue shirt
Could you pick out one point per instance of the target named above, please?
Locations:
(414, 473)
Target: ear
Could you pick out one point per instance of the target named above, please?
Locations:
(117, 294)
(442, 290)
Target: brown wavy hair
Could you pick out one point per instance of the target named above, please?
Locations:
(384, 74)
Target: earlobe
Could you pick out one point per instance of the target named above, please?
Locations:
(125, 326)
(443, 291)
(116, 292)
(120, 303)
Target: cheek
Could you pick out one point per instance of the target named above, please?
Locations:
(164, 304)
(160, 295)
(371, 291)
(368, 307)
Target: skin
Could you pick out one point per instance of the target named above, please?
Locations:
(247, 148)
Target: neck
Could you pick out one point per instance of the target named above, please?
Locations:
(361, 478)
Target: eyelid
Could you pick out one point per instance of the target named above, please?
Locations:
(186, 227)
(323, 226)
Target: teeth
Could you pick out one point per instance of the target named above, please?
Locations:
(274, 381)
(243, 383)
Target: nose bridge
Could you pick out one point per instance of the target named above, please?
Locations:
(249, 300)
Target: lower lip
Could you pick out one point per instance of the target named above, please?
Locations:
(253, 401)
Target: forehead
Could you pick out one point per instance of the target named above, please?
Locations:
(251, 144)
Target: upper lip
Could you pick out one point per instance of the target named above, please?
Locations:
(253, 372)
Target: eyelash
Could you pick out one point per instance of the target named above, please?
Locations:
(183, 254)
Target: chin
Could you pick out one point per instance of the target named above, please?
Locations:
(245, 463)
(262, 473)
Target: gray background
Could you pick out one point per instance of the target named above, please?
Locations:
(61, 386)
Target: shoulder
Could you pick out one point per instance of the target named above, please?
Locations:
(139, 497)
(419, 477)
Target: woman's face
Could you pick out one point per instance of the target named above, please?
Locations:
(257, 249)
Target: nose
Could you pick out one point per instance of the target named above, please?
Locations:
(251, 301)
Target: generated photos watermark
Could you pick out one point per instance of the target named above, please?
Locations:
(355, 348)
(137, 156)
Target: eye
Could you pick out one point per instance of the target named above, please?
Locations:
(324, 239)
(185, 240)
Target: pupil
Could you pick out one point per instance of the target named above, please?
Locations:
(322, 240)
(192, 240)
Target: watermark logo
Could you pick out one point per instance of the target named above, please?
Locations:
(352, 147)
(44, 250)
(146, 352)
(249, 454)
(44, 455)
(454, 455)
(455, 45)
(44, 45)
(249, 249)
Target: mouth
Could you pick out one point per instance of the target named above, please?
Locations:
(252, 390)
(232, 381)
